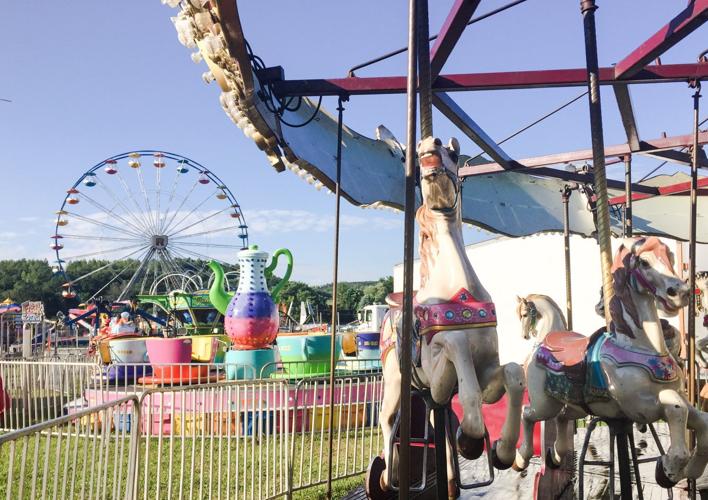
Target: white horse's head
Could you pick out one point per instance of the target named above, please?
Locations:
(438, 172)
(649, 265)
(528, 316)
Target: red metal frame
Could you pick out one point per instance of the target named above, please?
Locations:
(649, 146)
(507, 80)
(689, 19)
(450, 33)
(679, 188)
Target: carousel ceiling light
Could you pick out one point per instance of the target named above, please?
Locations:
(185, 31)
(196, 57)
(208, 77)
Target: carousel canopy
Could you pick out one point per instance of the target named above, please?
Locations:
(8, 306)
(303, 138)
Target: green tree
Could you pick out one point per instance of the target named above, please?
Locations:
(376, 293)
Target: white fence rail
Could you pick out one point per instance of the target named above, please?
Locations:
(251, 439)
(84, 455)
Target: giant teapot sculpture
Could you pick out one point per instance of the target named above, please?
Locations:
(250, 315)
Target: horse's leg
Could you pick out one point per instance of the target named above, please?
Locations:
(508, 378)
(542, 407)
(675, 408)
(564, 438)
(389, 408)
(698, 421)
(454, 365)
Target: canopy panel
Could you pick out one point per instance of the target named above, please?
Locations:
(509, 203)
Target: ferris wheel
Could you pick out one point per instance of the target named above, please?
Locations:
(143, 218)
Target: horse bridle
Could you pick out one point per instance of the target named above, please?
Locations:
(454, 178)
(639, 277)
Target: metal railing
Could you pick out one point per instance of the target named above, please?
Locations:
(206, 436)
(85, 455)
(218, 440)
(38, 391)
(356, 433)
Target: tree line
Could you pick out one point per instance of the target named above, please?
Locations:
(33, 279)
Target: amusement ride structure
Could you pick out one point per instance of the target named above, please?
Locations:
(150, 214)
(295, 132)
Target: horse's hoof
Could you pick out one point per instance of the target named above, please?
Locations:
(496, 462)
(642, 428)
(469, 447)
(452, 490)
(550, 463)
(519, 463)
(661, 478)
(373, 483)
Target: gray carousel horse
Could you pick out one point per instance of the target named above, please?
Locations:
(624, 374)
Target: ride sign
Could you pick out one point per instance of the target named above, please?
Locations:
(32, 312)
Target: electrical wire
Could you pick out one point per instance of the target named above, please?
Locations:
(277, 105)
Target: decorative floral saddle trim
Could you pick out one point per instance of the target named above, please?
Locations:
(660, 368)
(461, 312)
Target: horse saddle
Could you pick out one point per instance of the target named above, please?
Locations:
(564, 352)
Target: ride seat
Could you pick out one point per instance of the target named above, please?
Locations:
(568, 348)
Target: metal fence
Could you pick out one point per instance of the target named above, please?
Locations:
(84, 455)
(356, 435)
(212, 437)
(42, 390)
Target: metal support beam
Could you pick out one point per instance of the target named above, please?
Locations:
(651, 145)
(469, 127)
(624, 103)
(450, 33)
(509, 80)
(679, 157)
(678, 188)
(688, 20)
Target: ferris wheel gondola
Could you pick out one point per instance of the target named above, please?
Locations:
(148, 216)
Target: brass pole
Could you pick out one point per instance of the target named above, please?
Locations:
(588, 8)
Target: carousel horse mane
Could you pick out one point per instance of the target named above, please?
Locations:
(428, 241)
(622, 301)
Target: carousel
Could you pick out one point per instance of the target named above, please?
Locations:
(439, 343)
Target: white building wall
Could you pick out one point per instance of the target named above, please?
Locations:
(518, 266)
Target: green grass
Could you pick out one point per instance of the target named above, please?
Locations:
(201, 464)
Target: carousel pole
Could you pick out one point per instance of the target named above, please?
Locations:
(588, 8)
(692, 389)
(426, 130)
(627, 220)
(404, 465)
(335, 280)
(565, 196)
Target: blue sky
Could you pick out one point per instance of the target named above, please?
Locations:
(90, 79)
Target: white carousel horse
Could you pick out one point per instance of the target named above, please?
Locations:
(539, 314)
(455, 345)
(627, 374)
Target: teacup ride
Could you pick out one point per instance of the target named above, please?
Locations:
(171, 361)
(305, 354)
(194, 317)
(251, 318)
